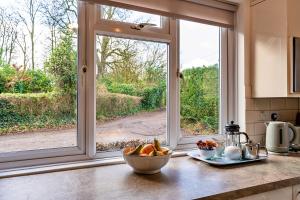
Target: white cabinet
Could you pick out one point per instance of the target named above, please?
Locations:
(280, 194)
(273, 24)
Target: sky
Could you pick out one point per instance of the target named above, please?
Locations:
(199, 43)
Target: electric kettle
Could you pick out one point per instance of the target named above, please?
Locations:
(279, 136)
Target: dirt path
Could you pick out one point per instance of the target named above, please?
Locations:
(140, 126)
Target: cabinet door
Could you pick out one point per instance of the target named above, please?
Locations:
(269, 49)
(280, 194)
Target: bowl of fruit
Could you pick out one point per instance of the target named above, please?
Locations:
(147, 158)
(207, 149)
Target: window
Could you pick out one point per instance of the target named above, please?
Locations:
(40, 102)
(83, 80)
(131, 92)
(200, 78)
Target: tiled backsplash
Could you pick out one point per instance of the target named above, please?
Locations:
(258, 111)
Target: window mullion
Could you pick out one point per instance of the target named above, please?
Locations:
(173, 86)
(90, 81)
(224, 99)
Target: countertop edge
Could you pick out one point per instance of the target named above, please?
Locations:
(261, 188)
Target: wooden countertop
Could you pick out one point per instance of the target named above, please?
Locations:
(181, 178)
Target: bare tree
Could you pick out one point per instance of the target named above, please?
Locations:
(60, 13)
(28, 16)
(22, 43)
(8, 35)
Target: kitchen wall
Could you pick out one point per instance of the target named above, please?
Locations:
(259, 111)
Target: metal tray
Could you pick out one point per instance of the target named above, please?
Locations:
(221, 161)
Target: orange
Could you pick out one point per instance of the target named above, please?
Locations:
(148, 148)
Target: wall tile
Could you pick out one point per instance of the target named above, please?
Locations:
(259, 139)
(252, 116)
(250, 104)
(262, 104)
(288, 115)
(292, 103)
(260, 128)
(278, 104)
(259, 111)
(250, 129)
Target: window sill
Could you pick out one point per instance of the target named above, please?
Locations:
(69, 166)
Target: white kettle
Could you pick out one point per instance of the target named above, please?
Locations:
(279, 136)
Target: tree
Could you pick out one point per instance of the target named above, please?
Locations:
(28, 16)
(62, 65)
(60, 13)
(22, 43)
(8, 35)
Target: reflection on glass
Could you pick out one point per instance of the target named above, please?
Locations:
(129, 16)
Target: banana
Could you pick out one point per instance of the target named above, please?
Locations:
(154, 153)
(164, 150)
(136, 151)
(157, 144)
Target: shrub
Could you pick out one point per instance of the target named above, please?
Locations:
(62, 65)
(13, 81)
(152, 97)
(123, 88)
(24, 112)
(112, 105)
(199, 96)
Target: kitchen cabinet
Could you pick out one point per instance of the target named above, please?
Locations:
(273, 25)
(280, 194)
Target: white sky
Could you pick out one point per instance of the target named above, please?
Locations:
(199, 43)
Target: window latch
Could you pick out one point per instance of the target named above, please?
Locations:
(84, 68)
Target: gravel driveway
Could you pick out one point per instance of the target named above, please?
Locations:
(140, 126)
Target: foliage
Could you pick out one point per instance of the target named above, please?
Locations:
(152, 97)
(123, 88)
(110, 105)
(19, 81)
(199, 96)
(62, 65)
(26, 112)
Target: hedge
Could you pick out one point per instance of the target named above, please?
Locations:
(152, 96)
(112, 105)
(26, 112)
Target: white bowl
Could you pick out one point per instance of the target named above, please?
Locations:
(207, 154)
(147, 164)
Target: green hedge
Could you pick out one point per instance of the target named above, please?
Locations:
(26, 112)
(112, 105)
(152, 96)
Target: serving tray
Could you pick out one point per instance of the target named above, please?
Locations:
(221, 161)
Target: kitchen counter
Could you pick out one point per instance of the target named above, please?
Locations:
(181, 178)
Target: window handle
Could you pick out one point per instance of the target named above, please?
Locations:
(180, 75)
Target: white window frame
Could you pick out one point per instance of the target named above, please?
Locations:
(228, 107)
(90, 24)
(61, 154)
(169, 33)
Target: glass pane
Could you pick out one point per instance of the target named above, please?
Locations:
(131, 92)
(200, 82)
(38, 75)
(129, 16)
